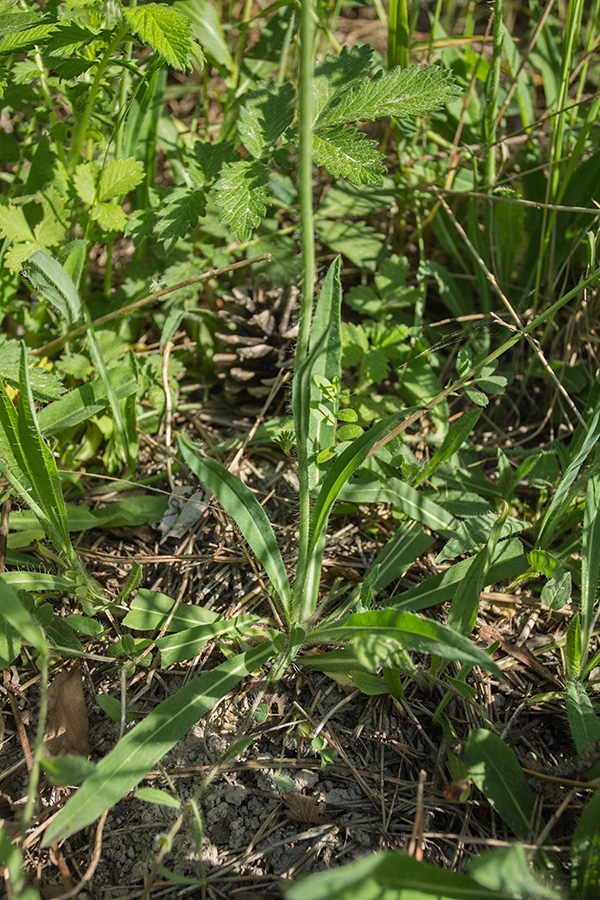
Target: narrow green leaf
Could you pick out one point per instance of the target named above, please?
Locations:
(88, 400)
(583, 721)
(585, 852)
(465, 604)
(153, 795)
(341, 470)
(186, 644)
(164, 29)
(44, 385)
(49, 279)
(143, 746)
(494, 769)
(508, 870)
(458, 434)
(390, 876)
(406, 631)
(555, 509)
(14, 613)
(246, 511)
(590, 563)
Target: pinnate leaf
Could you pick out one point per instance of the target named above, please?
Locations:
(265, 115)
(207, 160)
(183, 208)
(336, 74)
(349, 153)
(242, 196)
(400, 92)
(166, 30)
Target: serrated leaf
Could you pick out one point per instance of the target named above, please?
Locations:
(265, 115)
(166, 30)
(206, 161)
(119, 177)
(18, 253)
(13, 224)
(109, 216)
(23, 40)
(84, 180)
(69, 38)
(400, 92)
(376, 365)
(346, 152)
(183, 209)
(336, 74)
(242, 196)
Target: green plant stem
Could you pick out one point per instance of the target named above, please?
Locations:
(306, 303)
(79, 136)
(398, 34)
(491, 104)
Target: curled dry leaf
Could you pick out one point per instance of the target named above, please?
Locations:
(304, 809)
(67, 728)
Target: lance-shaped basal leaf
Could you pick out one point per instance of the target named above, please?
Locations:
(164, 29)
(54, 284)
(44, 385)
(495, 770)
(242, 196)
(246, 511)
(348, 153)
(378, 634)
(400, 92)
(265, 115)
(182, 209)
(142, 747)
(337, 74)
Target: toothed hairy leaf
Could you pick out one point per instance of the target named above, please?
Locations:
(182, 209)
(119, 177)
(17, 41)
(50, 281)
(206, 160)
(13, 224)
(242, 196)
(336, 74)
(109, 216)
(166, 30)
(265, 115)
(400, 92)
(348, 153)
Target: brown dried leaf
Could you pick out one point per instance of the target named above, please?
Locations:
(305, 809)
(67, 728)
